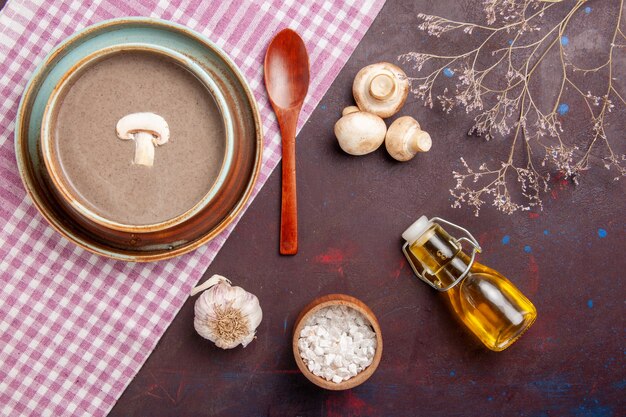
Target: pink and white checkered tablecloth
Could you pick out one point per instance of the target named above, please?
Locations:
(75, 327)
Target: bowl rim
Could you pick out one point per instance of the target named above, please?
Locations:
(26, 164)
(59, 181)
(334, 300)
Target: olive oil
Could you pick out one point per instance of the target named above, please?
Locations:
(485, 301)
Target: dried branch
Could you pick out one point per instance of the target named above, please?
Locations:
(497, 85)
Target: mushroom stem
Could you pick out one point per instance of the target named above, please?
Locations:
(382, 86)
(144, 149)
(420, 142)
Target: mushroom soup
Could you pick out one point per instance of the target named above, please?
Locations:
(104, 170)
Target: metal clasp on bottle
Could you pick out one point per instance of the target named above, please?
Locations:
(423, 275)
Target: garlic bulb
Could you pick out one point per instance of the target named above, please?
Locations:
(228, 316)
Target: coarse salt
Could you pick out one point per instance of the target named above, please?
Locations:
(336, 343)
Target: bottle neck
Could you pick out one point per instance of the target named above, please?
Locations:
(440, 255)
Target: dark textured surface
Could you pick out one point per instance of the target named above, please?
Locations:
(352, 212)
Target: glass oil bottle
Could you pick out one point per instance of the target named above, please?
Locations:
(486, 302)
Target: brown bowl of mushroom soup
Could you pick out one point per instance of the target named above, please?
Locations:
(138, 144)
(138, 139)
(134, 139)
(337, 342)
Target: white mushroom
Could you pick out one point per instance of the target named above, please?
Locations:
(380, 89)
(405, 139)
(148, 130)
(360, 133)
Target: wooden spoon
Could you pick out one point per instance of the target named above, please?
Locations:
(287, 82)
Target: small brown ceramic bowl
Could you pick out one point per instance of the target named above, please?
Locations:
(329, 301)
